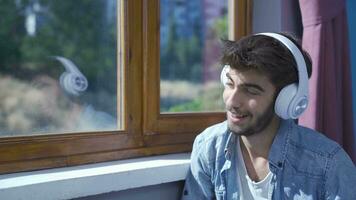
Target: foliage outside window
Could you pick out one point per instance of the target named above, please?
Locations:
(190, 34)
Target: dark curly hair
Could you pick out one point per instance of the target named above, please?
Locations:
(264, 54)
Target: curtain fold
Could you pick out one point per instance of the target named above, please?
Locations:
(325, 37)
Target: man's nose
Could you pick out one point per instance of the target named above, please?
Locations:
(234, 99)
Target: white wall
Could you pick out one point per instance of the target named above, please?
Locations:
(167, 191)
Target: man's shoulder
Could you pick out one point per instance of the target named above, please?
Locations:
(213, 133)
(313, 154)
(310, 153)
(314, 141)
(211, 142)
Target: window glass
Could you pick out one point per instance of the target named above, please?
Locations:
(58, 66)
(190, 33)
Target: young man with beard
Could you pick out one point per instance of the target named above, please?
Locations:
(259, 152)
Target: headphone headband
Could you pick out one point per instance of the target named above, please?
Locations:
(299, 101)
(298, 57)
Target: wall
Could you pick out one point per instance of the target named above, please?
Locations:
(167, 191)
(266, 16)
(351, 5)
(277, 16)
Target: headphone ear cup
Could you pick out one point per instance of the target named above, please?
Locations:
(223, 78)
(73, 83)
(284, 101)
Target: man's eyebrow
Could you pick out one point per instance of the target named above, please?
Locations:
(248, 84)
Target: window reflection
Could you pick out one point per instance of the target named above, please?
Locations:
(39, 42)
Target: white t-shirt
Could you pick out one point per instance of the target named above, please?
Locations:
(249, 189)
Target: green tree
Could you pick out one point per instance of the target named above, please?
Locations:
(220, 27)
(11, 32)
(182, 56)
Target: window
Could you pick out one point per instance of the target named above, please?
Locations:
(120, 65)
(58, 73)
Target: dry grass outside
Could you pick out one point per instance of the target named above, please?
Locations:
(184, 96)
(180, 89)
(24, 108)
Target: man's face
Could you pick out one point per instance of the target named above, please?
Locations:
(249, 100)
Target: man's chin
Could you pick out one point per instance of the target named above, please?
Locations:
(238, 130)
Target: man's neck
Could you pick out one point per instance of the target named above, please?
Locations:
(255, 149)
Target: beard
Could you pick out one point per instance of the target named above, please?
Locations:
(256, 125)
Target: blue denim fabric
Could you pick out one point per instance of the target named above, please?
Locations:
(305, 165)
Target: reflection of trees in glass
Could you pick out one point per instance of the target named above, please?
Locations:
(80, 30)
(11, 32)
(76, 30)
(83, 31)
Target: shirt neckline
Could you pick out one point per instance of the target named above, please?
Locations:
(242, 164)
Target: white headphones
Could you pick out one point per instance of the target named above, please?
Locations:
(292, 100)
(72, 80)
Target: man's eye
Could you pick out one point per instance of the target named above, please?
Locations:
(252, 91)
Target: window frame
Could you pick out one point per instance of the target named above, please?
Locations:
(144, 130)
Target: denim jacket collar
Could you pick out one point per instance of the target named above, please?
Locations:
(277, 154)
(230, 144)
(278, 151)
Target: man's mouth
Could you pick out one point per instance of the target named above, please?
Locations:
(237, 117)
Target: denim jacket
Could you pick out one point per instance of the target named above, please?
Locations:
(305, 165)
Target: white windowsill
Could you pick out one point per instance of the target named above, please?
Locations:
(85, 180)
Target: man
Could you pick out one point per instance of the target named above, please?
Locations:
(259, 152)
(58, 110)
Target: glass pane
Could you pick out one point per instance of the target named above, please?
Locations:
(58, 66)
(189, 51)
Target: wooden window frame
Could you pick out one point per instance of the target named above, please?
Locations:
(144, 130)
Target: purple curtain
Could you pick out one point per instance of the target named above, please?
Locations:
(325, 37)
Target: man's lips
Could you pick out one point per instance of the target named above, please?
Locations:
(237, 118)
